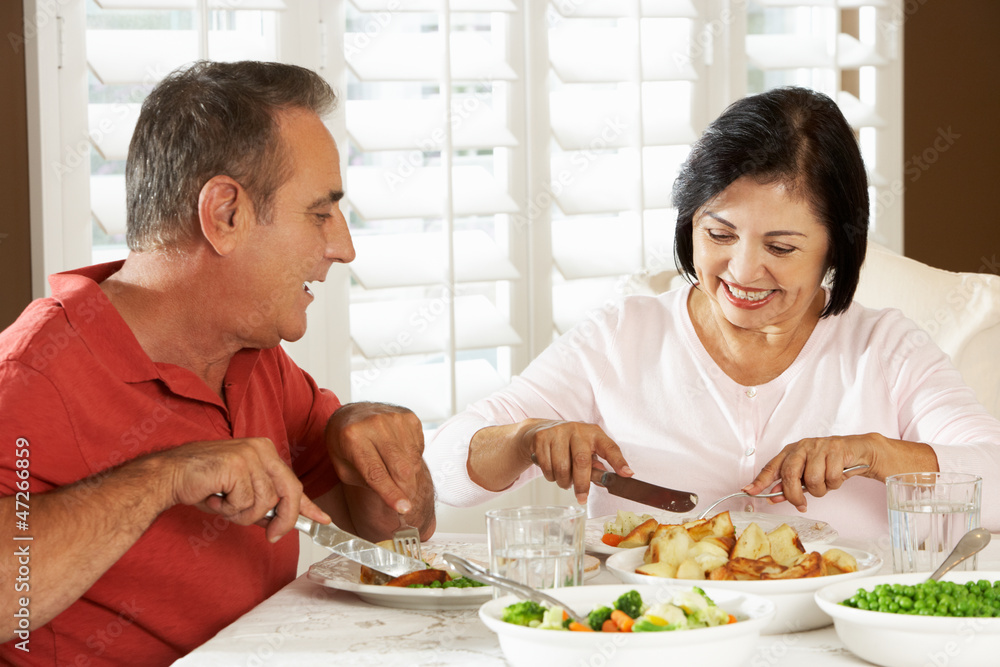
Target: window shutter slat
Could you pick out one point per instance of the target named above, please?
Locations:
(111, 127)
(400, 260)
(619, 9)
(418, 192)
(593, 247)
(375, 326)
(274, 5)
(424, 388)
(852, 54)
(787, 51)
(107, 202)
(153, 54)
(379, 125)
(434, 5)
(402, 56)
(858, 114)
(596, 182)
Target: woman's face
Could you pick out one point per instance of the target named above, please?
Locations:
(760, 255)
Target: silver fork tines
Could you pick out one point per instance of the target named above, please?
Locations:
(406, 540)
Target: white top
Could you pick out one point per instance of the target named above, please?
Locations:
(639, 371)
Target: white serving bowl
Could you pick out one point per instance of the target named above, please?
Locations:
(728, 645)
(899, 640)
(793, 598)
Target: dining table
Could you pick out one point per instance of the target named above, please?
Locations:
(310, 623)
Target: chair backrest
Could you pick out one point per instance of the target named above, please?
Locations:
(959, 311)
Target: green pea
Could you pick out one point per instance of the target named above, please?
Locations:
(946, 598)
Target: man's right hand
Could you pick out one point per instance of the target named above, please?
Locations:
(249, 475)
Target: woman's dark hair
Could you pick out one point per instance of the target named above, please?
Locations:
(209, 119)
(792, 135)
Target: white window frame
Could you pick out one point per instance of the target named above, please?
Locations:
(60, 202)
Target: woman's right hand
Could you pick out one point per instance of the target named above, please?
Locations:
(568, 451)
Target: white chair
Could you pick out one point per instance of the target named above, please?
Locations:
(960, 311)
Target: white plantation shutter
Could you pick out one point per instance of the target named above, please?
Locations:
(850, 50)
(429, 103)
(628, 91)
(508, 163)
(130, 46)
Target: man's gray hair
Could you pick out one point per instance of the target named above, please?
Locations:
(205, 120)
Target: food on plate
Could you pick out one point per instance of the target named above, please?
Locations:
(429, 578)
(419, 578)
(624, 523)
(931, 598)
(686, 610)
(640, 535)
(709, 549)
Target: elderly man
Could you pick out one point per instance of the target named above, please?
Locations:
(143, 388)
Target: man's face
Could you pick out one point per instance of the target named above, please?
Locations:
(307, 233)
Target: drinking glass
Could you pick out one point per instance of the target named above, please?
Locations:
(929, 512)
(541, 547)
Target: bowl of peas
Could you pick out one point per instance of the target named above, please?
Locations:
(899, 620)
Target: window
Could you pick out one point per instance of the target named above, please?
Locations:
(508, 163)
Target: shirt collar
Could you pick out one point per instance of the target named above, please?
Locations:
(98, 323)
(111, 341)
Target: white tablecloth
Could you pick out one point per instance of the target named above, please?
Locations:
(306, 625)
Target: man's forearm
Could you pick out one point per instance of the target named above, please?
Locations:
(77, 532)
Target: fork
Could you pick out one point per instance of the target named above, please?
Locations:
(406, 540)
(744, 494)
(481, 574)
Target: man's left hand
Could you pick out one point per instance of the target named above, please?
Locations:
(378, 446)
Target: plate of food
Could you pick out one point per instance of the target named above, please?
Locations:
(776, 564)
(602, 532)
(340, 573)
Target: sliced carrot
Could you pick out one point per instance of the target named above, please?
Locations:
(609, 626)
(611, 539)
(565, 615)
(580, 627)
(732, 619)
(622, 620)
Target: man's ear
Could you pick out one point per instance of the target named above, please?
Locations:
(222, 210)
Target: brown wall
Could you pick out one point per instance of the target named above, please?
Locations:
(15, 227)
(951, 133)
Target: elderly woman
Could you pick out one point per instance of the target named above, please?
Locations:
(762, 371)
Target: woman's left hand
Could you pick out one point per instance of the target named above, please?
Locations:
(818, 464)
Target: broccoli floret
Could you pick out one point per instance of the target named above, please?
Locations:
(701, 591)
(596, 618)
(630, 603)
(523, 613)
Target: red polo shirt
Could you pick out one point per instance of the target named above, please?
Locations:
(76, 385)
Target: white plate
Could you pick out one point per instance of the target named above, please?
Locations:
(809, 530)
(796, 607)
(338, 572)
(896, 640)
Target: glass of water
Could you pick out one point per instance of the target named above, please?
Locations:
(541, 547)
(929, 512)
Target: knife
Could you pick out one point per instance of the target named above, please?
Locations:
(644, 492)
(352, 547)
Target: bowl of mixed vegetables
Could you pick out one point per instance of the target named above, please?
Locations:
(902, 619)
(629, 623)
